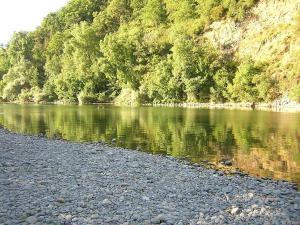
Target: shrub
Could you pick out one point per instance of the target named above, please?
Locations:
(128, 97)
(216, 13)
(243, 86)
(13, 88)
(40, 96)
(222, 79)
(86, 98)
(25, 96)
(49, 91)
(101, 97)
(267, 87)
(295, 93)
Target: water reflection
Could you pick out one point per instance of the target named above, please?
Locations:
(262, 143)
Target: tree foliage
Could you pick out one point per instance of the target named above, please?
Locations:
(150, 50)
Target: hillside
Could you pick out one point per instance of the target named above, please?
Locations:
(157, 51)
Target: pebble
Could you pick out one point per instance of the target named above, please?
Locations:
(234, 210)
(106, 202)
(68, 217)
(61, 183)
(31, 220)
(145, 198)
(60, 200)
(227, 189)
(158, 219)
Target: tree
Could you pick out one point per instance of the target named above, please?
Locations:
(21, 76)
(243, 87)
(25, 70)
(20, 47)
(159, 85)
(150, 50)
(180, 10)
(4, 62)
(153, 13)
(120, 51)
(192, 64)
(222, 80)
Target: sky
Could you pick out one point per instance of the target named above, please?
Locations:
(24, 15)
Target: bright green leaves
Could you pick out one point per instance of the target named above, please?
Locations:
(149, 50)
(4, 62)
(154, 13)
(21, 76)
(243, 87)
(180, 10)
(195, 65)
(77, 72)
(253, 84)
(159, 84)
(219, 91)
(20, 47)
(123, 51)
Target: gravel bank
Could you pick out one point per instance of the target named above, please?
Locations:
(57, 182)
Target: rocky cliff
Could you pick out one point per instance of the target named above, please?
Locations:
(267, 35)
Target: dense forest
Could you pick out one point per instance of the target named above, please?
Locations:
(138, 51)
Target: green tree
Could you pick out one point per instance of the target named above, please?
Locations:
(121, 51)
(192, 64)
(243, 86)
(4, 62)
(20, 47)
(153, 13)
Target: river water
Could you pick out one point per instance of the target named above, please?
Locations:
(259, 142)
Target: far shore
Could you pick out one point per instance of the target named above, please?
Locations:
(277, 106)
(292, 107)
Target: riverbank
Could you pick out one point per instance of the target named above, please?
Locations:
(277, 106)
(53, 181)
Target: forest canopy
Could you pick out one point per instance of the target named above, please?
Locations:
(150, 51)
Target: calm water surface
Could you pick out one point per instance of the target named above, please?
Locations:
(261, 143)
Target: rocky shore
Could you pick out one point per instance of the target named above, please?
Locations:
(57, 182)
(276, 106)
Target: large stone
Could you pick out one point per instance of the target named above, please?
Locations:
(161, 218)
(106, 202)
(60, 200)
(235, 210)
(227, 189)
(31, 220)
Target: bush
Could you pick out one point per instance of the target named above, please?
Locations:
(266, 86)
(13, 88)
(86, 98)
(25, 96)
(295, 93)
(49, 92)
(40, 96)
(216, 13)
(128, 97)
(219, 91)
(243, 86)
(101, 97)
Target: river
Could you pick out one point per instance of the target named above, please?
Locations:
(261, 143)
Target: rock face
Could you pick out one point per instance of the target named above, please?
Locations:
(268, 24)
(267, 35)
(225, 34)
(115, 186)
